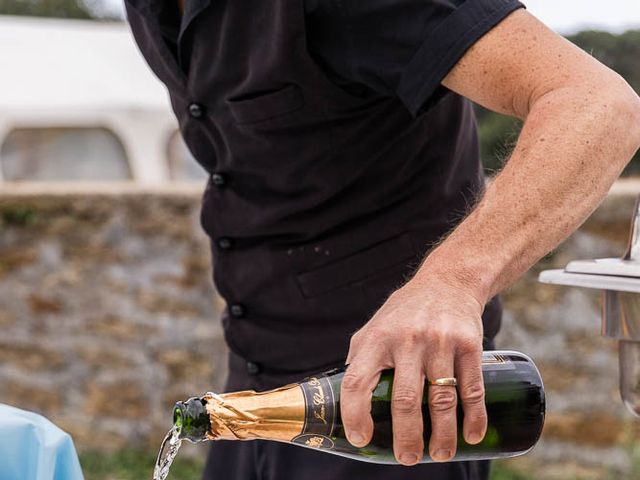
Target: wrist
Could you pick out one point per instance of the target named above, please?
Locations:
(474, 278)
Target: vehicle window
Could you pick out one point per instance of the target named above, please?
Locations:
(40, 154)
(182, 165)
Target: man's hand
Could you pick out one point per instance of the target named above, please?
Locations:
(582, 126)
(432, 331)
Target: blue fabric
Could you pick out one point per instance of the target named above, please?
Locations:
(33, 448)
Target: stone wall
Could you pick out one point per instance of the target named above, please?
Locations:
(107, 312)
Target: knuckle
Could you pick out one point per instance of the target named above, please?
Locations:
(442, 337)
(406, 401)
(450, 335)
(417, 334)
(433, 332)
(351, 382)
(443, 400)
(473, 394)
(469, 344)
(356, 339)
(382, 334)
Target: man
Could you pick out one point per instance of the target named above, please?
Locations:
(341, 151)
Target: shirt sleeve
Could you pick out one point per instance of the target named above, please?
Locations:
(403, 48)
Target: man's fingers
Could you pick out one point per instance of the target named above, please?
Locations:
(443, 401)
(471, 391)
(406, 411)
(358, 383)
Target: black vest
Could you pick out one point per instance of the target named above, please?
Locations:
(322, 199)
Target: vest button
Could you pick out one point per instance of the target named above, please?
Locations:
(253, 368)
(196, 110)
(218, 179)
(224, 243)
(237, 311)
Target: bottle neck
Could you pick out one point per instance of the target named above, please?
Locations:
(191, 420)
(275, 415)
(286, 413)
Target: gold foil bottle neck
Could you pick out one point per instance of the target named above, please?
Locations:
(274, 415)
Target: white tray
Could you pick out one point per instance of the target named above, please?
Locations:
(624, 282)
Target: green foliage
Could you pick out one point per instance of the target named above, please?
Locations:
(45, 8)
(619, 52)
(634, 454)
(134, 465)
(499, 471)
(18, 216)
(498, 133)
(632, 447)
(137, 464)
(82, 9)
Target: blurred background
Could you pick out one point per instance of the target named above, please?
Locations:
(107, 311)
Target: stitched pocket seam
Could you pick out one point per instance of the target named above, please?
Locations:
(268, 106)
(356, 267)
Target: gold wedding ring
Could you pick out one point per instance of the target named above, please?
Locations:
(444, 382)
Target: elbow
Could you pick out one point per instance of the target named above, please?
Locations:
(625, 104)
(611, 108)
(633, 104)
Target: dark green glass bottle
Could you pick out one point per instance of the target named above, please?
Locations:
(308, 414)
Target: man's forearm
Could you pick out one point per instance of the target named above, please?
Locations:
(574, 144)
(581, 128)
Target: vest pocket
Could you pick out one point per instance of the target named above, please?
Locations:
(358, 267)
(266, 106)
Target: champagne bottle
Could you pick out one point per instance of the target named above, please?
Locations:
(308, 414)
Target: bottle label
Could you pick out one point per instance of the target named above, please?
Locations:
(495, 361)
(320, 414)
(314, 441)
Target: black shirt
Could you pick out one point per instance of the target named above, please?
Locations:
(336, 158)
(399, 48)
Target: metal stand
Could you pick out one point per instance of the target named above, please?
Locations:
(619, 279)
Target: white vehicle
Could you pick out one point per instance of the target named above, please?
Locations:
(78, 103)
